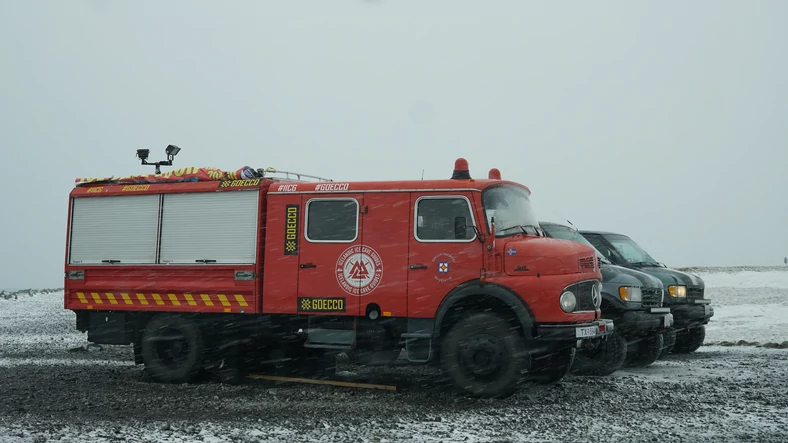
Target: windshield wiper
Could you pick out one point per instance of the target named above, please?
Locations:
(646, 263)
(523, 228)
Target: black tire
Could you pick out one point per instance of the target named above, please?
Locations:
(172, 349)
(552, 368)
(606, 359)
(689, 340)
(644, 351)
(483, 357)
(668, 341)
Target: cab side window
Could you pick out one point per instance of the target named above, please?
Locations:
(444, 219)
(332, 220)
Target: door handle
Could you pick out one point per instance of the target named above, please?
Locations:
(418, 266)
(307, 265)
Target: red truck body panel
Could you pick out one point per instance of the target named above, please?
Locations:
(383, 265)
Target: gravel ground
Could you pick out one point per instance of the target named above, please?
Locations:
(49, 392)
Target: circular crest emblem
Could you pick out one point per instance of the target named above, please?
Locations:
(359, 270)
(444, 263)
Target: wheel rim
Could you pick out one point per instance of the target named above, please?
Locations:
(482, 357)
(171, 346)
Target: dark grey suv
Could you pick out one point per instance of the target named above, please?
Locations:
(684, 293)
(633, 300)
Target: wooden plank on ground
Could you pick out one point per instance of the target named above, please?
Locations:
(346, 384)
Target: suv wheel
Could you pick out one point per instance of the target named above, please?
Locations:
(606, 359)
(689, 340)
(644, 351)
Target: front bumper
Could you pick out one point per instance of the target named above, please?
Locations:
(692, 314)
(652, 318)
(577, 331)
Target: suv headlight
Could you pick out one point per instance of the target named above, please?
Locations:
(677, 291)
(568, 301)
(630, 293)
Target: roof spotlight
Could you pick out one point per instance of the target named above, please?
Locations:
(171, 152)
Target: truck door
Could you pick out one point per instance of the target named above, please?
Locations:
(444, 251)
(332, 270)
(385, 236)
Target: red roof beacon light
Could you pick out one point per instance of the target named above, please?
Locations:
(461, 170)
(494, 174)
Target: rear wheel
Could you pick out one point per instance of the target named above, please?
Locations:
(605, 359)
(553, 367)
(644, 351)
(172, 349)
(689, 340)
(483, 357)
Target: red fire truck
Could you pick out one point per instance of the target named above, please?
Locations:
(203, 269)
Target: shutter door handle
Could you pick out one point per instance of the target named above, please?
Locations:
(418, 266)
(307, 265)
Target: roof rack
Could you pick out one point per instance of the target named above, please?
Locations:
(288, 176)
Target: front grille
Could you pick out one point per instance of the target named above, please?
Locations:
(651, 297)
(694, 293)
(582, 292)
(586, 263)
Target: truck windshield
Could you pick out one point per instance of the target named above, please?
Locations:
(511, 207)
(630, 251)
(567, 233)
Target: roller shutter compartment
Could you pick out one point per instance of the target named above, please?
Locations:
(220, 227)
(118, 229)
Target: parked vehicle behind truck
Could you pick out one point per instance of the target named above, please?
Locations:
(200, 269)
(684, 292)
(633, 300)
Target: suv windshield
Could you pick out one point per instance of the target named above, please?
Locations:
(630, 251)
(567, 233)
(511, 207)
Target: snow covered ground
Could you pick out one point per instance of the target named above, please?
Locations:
(51, 389)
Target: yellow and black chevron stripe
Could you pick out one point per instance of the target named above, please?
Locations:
(227, 302)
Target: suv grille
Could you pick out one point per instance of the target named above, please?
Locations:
(586, 263)
(651, 297)
(582, 292)
(694, 293)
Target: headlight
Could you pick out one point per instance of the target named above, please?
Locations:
(568, 301)
(677, 291)
(630, 293)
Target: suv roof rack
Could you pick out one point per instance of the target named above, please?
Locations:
(290, 176)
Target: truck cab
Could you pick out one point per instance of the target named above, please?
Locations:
(684, 292)
(634, 301)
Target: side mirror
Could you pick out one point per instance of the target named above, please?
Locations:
(460, 228)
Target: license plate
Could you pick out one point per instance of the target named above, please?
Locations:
(586, 332)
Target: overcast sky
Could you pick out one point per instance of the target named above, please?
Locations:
(662, 120)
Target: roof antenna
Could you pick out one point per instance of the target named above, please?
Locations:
(422, 174)
(571, 224)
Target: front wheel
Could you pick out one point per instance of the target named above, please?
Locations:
(483, 357)
(605, 359)
(644, 351)
(553, 367)
(172, 349)
(689, 340)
